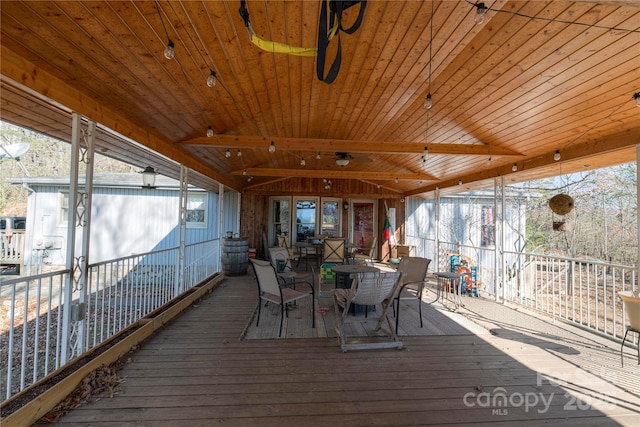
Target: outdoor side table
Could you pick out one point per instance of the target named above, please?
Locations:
(456, 281)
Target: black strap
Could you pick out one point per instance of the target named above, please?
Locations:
(244, 13)
(336, 7)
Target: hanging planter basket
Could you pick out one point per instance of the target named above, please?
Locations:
(561, 204)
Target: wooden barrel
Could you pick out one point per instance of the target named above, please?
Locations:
(235, 256)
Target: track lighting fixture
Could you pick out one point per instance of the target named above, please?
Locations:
(480, 11)
(211, 80)
(209, 131)
(272, 147)
(169, 51)
(239, 154)
(427, 102)
(636, 96)
(556, 155)
(228, 153)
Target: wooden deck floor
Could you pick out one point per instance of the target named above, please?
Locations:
(199, 372)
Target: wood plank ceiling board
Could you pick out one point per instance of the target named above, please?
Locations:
(534, 77)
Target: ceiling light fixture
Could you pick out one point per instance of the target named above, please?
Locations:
(636, 96)
(342, 162)
(211, 80)
(556, 155)
(239, 154)
(514, 168)
(228, 153)
(427, 102)
(244, 172)
(480, 11)
(396, 180)
(459, 182)
(169, 51)
(272, 147)
(302, 161)
(318, 156)
(209, 131)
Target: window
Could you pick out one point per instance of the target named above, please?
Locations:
(306, 218)
(331, 216)
(196, 210)
(63, 208)
(488, 227)
(279, 219)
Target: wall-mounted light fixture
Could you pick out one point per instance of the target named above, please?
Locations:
(345, 206)
(148, 177)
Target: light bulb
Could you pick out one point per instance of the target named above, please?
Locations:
(239, 153)
(480, 11)
(209, 131)
(169, 51)
(228, 153)
(272, 147)
(556, 155)
(514, 168)
(302, 162)
(318, 156)
(211, 80)
(396, 180)
(427, 102)
(244, 172)
(459, 182)
(636, 96)
(425, 152)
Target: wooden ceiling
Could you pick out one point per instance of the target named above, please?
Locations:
(533, 78)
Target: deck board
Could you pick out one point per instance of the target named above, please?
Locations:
(199, 371)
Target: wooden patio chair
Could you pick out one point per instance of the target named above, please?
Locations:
(367, 289)
(366, 252)
(631, 302)
(270, 290)
(414, 271)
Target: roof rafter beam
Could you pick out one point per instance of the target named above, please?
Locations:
(349, 146)
(316, 173)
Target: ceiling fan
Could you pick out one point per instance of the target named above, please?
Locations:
(343, 159)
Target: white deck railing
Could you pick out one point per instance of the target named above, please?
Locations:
(118, 293)
(580, 291)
